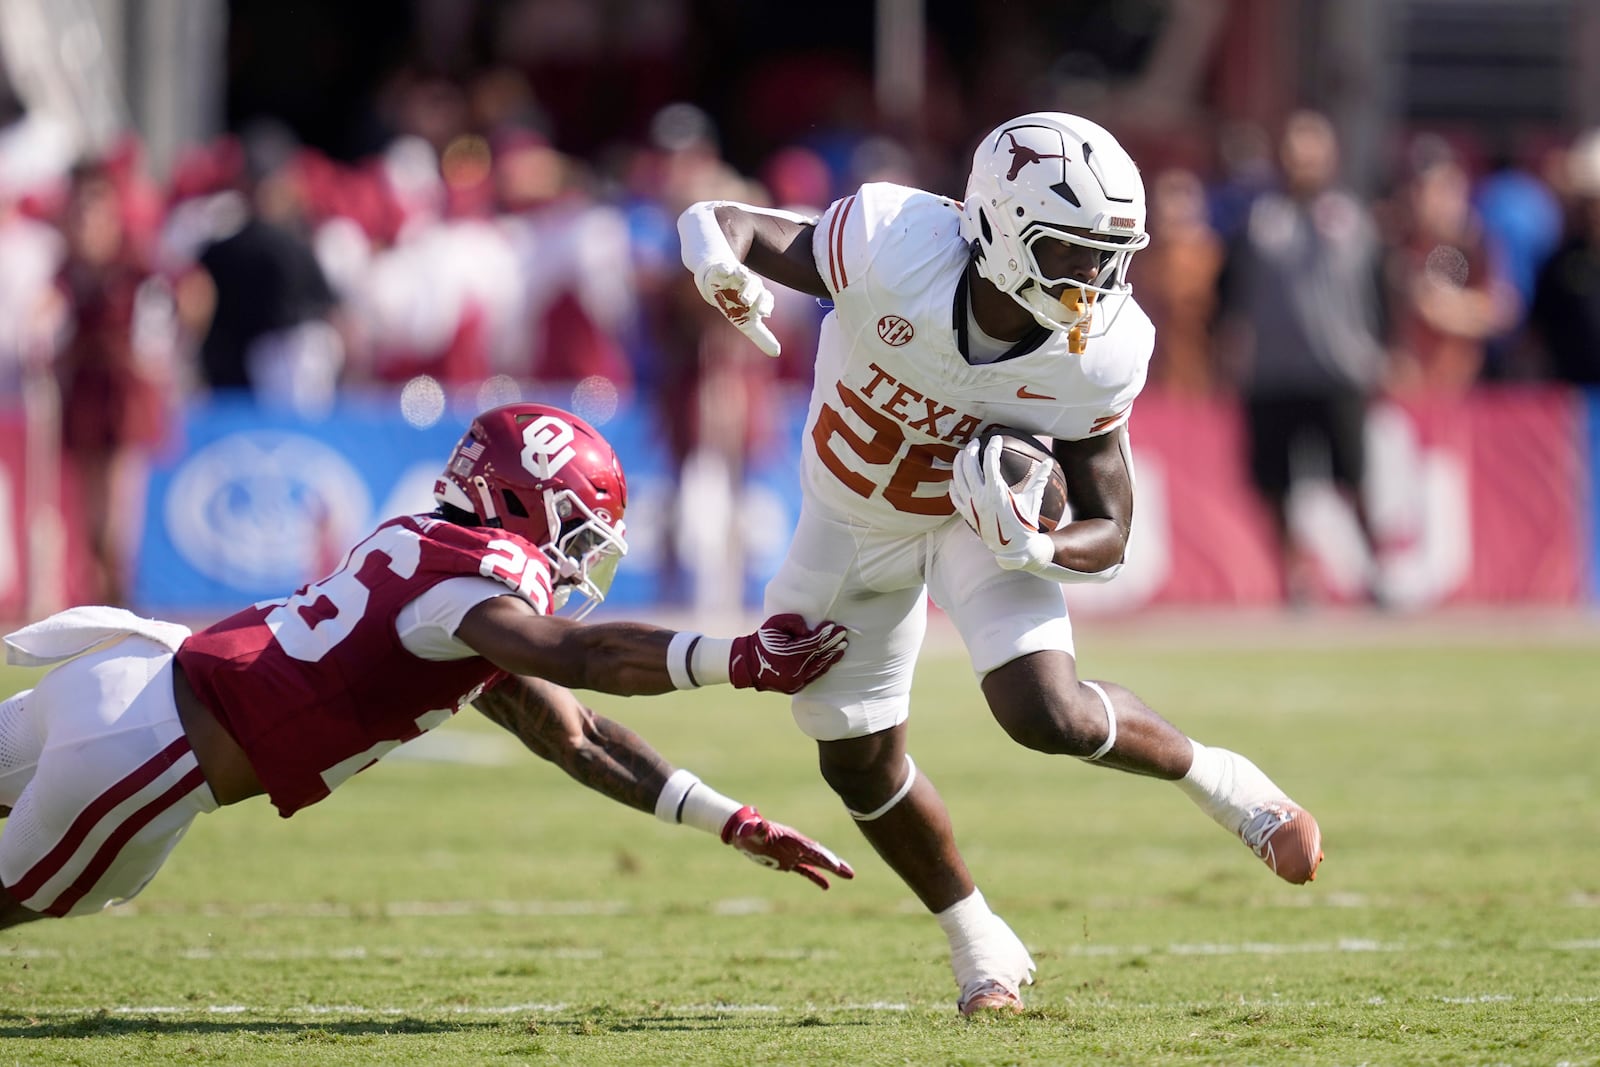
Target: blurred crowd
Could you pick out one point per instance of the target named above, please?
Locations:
(475, 253)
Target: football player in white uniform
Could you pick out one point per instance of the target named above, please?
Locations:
(1013, 308)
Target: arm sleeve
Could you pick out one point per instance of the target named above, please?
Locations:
(427, 626)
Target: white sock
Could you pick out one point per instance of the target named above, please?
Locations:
(982, 945)
(1226, 785)
(966, 920)
(686, 799)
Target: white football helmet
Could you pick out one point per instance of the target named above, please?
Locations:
(1041, 176)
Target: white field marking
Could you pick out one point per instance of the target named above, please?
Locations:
(395, 909)
(1267, 948)
(742, 906)
(392, 952)
(734, 906)
(548, 1007)
(1492, 998)
(589, 953)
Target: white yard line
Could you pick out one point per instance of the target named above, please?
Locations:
(714, 1008)
(1341, 946)
(734, 906)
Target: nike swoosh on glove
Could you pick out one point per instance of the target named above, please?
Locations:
(786, 654)
(743, 298)
(1006, 520)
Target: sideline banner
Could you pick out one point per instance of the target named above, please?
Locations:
(1490, 499)
(1476, 500)
(254, 504)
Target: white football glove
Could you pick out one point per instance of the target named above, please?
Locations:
(1007, 521)
(742, 297)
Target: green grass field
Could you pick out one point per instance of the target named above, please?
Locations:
(437, 912)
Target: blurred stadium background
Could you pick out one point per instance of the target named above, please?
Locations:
(259, 261)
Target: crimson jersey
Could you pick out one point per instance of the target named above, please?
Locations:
(318, 685)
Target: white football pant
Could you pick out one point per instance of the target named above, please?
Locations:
(100, 777)
(878, 584)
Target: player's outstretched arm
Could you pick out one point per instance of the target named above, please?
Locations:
(636, 659)
(617, 763)
(603, 755)
(730, 247)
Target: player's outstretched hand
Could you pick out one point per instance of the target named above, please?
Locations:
(780, 847)
(743, 298)
(785, 655)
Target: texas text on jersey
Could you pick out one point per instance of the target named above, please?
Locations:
(344, 690)
(895, 395)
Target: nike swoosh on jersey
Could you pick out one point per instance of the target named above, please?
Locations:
(1107, 421)
(1024, 393)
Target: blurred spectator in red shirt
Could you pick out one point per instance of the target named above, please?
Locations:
(1176, 279)
(1448, 295)
(114, 367)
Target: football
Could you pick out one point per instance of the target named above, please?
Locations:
(1019, 458)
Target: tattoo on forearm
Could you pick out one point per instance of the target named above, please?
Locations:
(602, 754)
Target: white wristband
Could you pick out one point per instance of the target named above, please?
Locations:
(1067, 576)
(678, 653)
(686, 800)
(710, 660)
(669, 805)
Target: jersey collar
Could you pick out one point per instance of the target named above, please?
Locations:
(958, 316)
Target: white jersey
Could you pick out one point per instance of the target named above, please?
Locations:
(895, 398)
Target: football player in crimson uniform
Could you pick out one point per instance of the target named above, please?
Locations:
(1013, 309)
(143, 725)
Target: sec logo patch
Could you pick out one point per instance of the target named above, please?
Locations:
(894, 331)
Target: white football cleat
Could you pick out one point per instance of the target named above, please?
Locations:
(1285, 837)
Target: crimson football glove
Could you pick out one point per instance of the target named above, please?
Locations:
(785, 655)
(780, 847)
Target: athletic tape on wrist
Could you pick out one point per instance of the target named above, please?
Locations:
(1111, 724)
(1067, 576)
(700, 237)
(669, 805)
(900, 794)
(679, 652)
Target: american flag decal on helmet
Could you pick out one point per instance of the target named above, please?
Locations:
(465, 457)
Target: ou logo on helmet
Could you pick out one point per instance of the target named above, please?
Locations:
(547, 446)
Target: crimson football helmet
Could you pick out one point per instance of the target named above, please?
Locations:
(1054, 175)
(550, 478)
